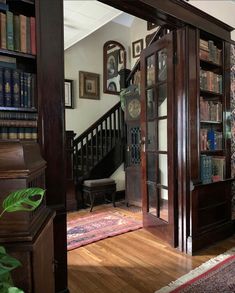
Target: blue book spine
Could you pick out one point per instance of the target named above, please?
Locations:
(7, 87)
(26, 94)
(22, 89)
(1, 88)
(16, 88)
(29, 87)
(211, 139)
(8, 64)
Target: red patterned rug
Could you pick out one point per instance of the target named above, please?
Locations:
(214, 276)
(94, 227)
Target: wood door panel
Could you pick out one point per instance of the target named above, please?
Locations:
(158, 135)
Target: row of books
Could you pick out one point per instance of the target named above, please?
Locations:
(209, 52)
(212, 168)
(7, 115)
(17, 88)
(210, 81)
(29, 133)
(17, 32)
(18, 123)
(210, 110)
(211, 140)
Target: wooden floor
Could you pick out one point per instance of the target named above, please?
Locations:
(135, 262)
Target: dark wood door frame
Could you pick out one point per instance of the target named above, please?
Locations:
(173, 12)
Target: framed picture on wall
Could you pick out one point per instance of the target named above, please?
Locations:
(112, 64)
(137, 47)
(68, 93)
(89, 85)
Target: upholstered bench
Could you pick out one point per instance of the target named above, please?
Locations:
(99, 186)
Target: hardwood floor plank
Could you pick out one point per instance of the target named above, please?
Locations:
(134, 262)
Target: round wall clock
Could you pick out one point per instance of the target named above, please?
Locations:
(134, 108)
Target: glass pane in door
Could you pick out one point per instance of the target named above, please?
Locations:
(163, 204)
(150, 139)
(162, 170)
(162, 135)
(162, 100)
(152, 198)
(151, 167)
(150, 104)
(150, 74)
(162, 65)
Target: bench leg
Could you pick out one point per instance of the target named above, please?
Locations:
(92, 199)
(113, 198)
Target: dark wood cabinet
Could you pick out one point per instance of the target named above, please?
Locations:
(27, 235)
(33, 237)
(207, 191)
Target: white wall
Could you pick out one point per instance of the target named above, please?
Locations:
(138, 31)
(223, 10)
(87, 55)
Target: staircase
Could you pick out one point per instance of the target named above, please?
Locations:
(98, 151)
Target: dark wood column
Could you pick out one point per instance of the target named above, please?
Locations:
(50, 68)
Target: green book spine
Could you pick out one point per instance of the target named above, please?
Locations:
(12, 133)
(34, 134)
(16, 20)
(4, 133)
(28, 133)
(21, 133)
(10, 31)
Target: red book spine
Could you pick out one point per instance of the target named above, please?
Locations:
(33, 35)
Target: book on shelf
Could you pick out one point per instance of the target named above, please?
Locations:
(206, 169)
(6, 61)
(212, 168)
(210, 139)
(33, 35)
(23, 133)
(18, 88)
(18, 123)
(16, 27)
(9, 28)
(1, 88)
(18, 32)
(210, 110)
(8, 115)
(210, 81)
(23, 45)
(3, 39)
(7, 87)
(218, 168)
(208, 51)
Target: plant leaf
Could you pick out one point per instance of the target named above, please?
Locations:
(14, 290)
(7, 263)
(23, 200)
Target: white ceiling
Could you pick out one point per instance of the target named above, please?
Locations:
(83, 17)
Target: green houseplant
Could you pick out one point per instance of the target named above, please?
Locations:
(26, 199)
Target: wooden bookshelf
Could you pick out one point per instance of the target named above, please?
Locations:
(22, 165)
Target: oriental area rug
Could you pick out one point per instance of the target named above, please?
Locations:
(214, 276)
(87, 229)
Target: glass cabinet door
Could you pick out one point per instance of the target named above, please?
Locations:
(158, 130)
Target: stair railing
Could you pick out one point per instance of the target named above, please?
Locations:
(97, 141)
